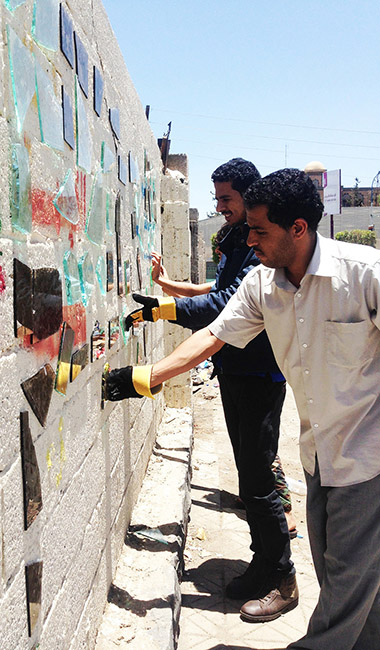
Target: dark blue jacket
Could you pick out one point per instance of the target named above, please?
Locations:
(198, 312)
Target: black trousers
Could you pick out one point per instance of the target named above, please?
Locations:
(252, 408)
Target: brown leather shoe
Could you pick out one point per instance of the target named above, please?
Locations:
(278, 601)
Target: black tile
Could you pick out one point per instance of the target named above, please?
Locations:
(47, 302)
(23, 298)
(139, 269)
(81, 61)
(68, 120)
(110, 271)
(114, 116)
(98, 91)
(133, 224)
(33, 578)
(30, 473)
(66, 35)
(79, 360)
(38, 391)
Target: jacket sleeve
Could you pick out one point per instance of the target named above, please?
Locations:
(200, 311)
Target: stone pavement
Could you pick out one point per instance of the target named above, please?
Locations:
(217, 545)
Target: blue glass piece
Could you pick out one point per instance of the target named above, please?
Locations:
(20, 195)
(64, 359)
(122, 170)
(68, 120)
(86, 275)
(66, 35)
(13, 4)
(96, 214)
(21, 65)
(115, 121)
(45, 25)
(66, 199)
(84, 142)
(71, 271)
(49, 111)
(133, 169)
(81, 59)
(108, 159)
(98, 91)
(101, 274)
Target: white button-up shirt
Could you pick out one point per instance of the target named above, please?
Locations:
(326, 340)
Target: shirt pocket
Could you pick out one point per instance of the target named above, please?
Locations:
(348, 344)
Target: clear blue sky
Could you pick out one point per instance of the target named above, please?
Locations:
(279, 83)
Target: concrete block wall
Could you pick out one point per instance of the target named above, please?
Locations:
(91, 461)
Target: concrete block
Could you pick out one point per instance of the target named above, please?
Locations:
(10, 410)
(7, 337)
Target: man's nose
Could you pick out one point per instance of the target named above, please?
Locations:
(251, 239)
(220, 205)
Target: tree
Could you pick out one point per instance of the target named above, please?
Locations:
(358, 196)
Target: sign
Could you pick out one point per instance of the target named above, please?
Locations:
(331, 192)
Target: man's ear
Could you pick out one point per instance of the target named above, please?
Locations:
(300, 228)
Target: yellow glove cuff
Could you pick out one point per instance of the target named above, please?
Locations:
(141, 381)
(167, 308)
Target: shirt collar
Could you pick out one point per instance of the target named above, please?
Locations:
(322, 263)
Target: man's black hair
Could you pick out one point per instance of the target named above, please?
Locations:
(289, 194)
(239, 172)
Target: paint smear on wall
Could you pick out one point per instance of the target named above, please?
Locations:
(2, 280)
(43, 210)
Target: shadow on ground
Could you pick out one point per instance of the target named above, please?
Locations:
(210, 579)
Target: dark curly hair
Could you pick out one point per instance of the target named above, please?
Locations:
(239, 172)
(289, 194)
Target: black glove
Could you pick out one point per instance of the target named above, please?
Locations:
(153, 309)
(131, 381)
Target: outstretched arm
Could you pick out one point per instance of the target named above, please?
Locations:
(172, 287)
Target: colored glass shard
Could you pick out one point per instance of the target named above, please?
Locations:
(84, 142)
(101, 274)
(114, 116)
(66, 199)
(30, 473)
(49, 111)
(68, 120)
(86, 275)
(71, 271)
(127, 277)
(125, 333)
(120, 288)
(110, 214)
(66, 35)
(139, 269)
(122, 171)
(64, 359)
(33, 578)
(110, 273)
(133, 169)
(81, 60)
(79, 360)
(133, 224)
(45, 25)
(96, 216)
(38, 391)
(47, 302)
(113, 331)
(98, 342)
(20, 195)
(108, 159)
(21, 66)
(98, 91)
(13, 4)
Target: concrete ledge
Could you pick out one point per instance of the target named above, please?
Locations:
(144, 598)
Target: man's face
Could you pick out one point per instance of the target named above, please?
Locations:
(230, 203)
(274, 246)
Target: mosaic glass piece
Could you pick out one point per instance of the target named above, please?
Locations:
(81, 60)
(45, 25)
(117, 213)
(66, 35)
(122, 170)
(98, 342)
(23, 299)
(68, 120)
(124, 333)
(49, 111)
(20, 195)
(84, 142)
(139, 269)
(33, 578)
(113, 331)
(108, 159)
(79, 360)
(64, 359)
(101, 274)
(96, 214)
(110, 273)
(71, 271)
(133, 224)
(110, 214)
(38, 391)
(98, 91)
(47, 302)
(120, 286)
(127, 277)
(86, 275)
(66, 199)
(13, 4)
(114, 116)
(21, 66)
(30, 473)
(133, 169)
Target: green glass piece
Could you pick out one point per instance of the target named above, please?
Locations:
(66, 199)
(45, 25)
(20, 205)
(21, 65)
(84, 142)
(108, 159)
(13, 4)
(86, 275)
(101, 274)
(96, 214)
(71, 271)
(49, 111)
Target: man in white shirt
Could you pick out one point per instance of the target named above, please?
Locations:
(319, 303)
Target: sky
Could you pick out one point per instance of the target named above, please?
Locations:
(278, 83)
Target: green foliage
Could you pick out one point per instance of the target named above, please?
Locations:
(366, 237)
(215, 256)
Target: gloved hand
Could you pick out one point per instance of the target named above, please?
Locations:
(131, 381)
(153, 309)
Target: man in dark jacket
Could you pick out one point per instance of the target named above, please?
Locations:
(252, 390)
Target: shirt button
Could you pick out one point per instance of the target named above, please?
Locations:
(316, 426)
(301, 320)
(304, 345)
(311, 401)
(307, 372)
(299, 295)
